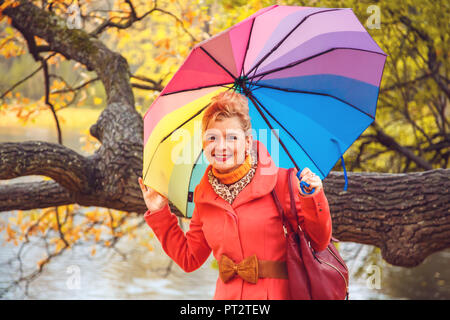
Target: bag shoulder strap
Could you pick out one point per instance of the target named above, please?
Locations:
(292, 198)
(286, 225)
(280, 207)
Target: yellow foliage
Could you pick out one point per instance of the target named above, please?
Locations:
(89, 143)
(10, 233)
(59, 245)
(98, 100)
(149, 246)
(91, 216)
(97, 234)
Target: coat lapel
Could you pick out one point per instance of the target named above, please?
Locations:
(204, 193)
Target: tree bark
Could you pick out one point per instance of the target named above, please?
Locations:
(406, 215)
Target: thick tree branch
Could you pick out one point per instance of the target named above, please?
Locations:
(60, 163)
(45, 194)
(406, 215)
(33, 195)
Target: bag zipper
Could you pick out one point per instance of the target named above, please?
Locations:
(329, 264)
(343, 264)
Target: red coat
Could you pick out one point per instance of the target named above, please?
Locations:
(250, 225)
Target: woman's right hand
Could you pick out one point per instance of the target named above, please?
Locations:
(153, 199)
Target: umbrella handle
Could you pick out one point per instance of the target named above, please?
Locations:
(304, 183)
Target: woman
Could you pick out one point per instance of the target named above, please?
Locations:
(235, 215)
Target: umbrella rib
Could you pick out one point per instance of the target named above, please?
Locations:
(309, 58)
(253, 98)
(186, 121)
(204, 87)
(252, 82)
(162, 140)
(316, 93)
(286, 36)
(246, 49)
(190, 177)
(148, 167)
(214, 59)
(248, 45)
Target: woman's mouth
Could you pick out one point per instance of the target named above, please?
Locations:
(222, 158)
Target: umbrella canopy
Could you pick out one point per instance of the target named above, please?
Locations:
(311, 75)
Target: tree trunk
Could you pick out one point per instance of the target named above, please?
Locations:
(406, 215)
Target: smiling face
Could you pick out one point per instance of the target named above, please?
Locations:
(225, 144)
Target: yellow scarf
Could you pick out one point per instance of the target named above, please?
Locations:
(236, 174)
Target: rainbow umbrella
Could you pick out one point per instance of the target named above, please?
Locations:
(311, 76)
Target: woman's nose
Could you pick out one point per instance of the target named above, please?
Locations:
(221, 145)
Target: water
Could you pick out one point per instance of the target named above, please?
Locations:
(107, 275)
(142, 275)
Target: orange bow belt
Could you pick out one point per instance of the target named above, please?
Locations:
(250, 269)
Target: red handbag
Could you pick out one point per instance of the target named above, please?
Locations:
(313, 275)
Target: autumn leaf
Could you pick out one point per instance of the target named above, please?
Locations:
(41, 262)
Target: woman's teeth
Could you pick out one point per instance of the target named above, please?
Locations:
(222, 158)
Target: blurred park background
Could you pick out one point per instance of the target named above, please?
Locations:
(108, 253)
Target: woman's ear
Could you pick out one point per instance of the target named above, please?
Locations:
(249, 142)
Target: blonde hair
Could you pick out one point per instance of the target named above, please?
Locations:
(225, 105)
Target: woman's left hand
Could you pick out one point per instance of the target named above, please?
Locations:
(312, 179)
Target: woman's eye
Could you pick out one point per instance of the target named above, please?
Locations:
(211, 138)
(233, 137)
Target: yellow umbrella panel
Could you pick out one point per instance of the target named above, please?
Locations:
(173, 158)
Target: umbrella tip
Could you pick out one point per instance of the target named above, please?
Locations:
(345, 174)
